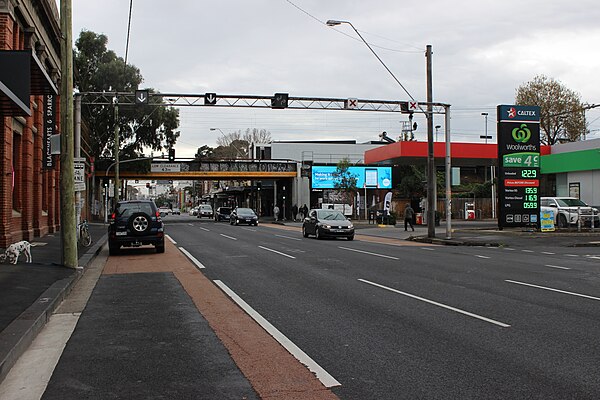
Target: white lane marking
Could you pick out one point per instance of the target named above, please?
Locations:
(326, 379)
(192, 258)
(548, 252)
(228, 237)
(171, 239)
(368, 252)
(527, 251)
(204, 229)
(572, 255)
(29, 377)
(249, 229)
(509, 249)
(480, 256)
(553, 290)
(556, 266)
(191, 224)
(435, 303)
(427, 248)
(275, 251)
(288, 237)
(594, 257)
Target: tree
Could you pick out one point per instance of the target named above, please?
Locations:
(344, 180)
(204, 153)
(98, 69)
(562, 112)
(239, 143)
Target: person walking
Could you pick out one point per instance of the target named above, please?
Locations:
(276, 212)
(409, 213)
(294, 212)
(304, 211)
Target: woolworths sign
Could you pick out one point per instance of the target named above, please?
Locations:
(519, 166)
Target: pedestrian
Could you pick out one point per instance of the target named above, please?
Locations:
(276, 212)
(294, 212)
(409, 213)
(304, 211)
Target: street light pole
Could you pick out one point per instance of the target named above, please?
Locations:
(431, 176)
(240, 154)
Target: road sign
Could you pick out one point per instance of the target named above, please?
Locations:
(279, 100)
(141, 97)
(79, 176)
(351, 103)
(165, 167)
(210, 99)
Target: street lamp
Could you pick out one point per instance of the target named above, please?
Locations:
(239, 153)
(486, 137)
(436, 131)
(431, 177)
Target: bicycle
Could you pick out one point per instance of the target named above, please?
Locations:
(83, 234)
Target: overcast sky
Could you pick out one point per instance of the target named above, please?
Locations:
(483, 50)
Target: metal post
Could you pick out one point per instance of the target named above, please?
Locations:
(116, 150)
(77, 154)
(431, 175)
(448, 175)
(67, 192)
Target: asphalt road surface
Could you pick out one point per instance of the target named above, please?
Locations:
(416, 321)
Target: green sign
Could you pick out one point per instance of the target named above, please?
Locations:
(525, 159)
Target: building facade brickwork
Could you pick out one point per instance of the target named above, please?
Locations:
(29, 193)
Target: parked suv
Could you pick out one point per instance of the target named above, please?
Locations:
(136, 223)
(567, 211)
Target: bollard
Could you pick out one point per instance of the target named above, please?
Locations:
(578, 219)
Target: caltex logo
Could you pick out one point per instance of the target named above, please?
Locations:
(512, 112)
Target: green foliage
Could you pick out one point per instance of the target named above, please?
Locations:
(480, 190)
(412, 182)
(562, 116)
(98, 69)
(345, 181)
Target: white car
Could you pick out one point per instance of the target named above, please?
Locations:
(176, 211)
(165, 211)
(568, 210)
(205, 210)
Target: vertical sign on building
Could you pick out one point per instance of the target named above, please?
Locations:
(519, 166)
(49, 129)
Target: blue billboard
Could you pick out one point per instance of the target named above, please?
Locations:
(369, 177)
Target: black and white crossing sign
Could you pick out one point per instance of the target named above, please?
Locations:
(141, 97)
(210, 99)
(279, 100)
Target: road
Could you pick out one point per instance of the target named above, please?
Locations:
(412, 320)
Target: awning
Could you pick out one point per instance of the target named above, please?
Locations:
(21, 76)
(15, 83)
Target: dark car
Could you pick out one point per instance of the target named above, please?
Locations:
(327, 223)
(223, 214)
(243, 216)
(136, 223)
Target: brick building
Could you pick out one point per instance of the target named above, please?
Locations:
(29, 116)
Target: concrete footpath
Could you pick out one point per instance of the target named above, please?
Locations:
(30, 293)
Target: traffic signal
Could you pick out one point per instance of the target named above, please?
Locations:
(148, 184)
(171, 154)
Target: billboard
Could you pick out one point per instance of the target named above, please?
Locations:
(519, 166)
(366, 177)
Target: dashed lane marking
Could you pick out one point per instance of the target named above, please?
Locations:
(552, 289)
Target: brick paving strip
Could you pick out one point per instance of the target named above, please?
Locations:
(272, 371)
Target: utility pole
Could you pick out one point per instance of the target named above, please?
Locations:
(431, 175)
(116, 150)
(68, 228)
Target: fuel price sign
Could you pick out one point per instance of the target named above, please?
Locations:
(519, 166)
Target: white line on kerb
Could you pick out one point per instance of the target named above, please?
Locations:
(228, 237)
(171, 239)
(192, 258)
(368, 252)
(435, 303)
(275, 251)
(556, 266)
(322, 375)
(553, 290)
